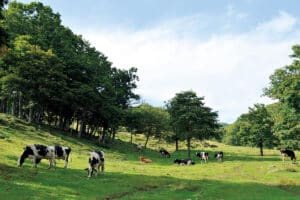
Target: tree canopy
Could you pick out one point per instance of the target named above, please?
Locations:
(191, 118)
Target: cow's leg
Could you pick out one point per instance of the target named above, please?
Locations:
(34, 162)
(54, 163)
(102, 167)
(66, 161)
(50, 163)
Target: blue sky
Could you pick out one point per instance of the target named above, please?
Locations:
(223, 50)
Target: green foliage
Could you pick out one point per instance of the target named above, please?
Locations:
(51, 74)
(190, 118)
(253, 129)
(285, 82)
(152, 121)
(286, 125)
(285, 86)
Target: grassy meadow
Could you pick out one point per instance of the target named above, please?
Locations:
(242, 175)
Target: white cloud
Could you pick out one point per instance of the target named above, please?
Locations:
(229, 70)
(284, 23)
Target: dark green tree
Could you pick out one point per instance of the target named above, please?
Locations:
(260, 127)
(191, 119)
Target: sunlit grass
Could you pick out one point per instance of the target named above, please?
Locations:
(243, 174)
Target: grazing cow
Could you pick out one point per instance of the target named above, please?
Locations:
(165, 153)
(38, 152)
(288, 153)
(145, 160)
(184, 161)
(202, 156)
(139, 147)
(219, 156)
(96, 160)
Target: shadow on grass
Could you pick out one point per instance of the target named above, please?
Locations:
(26, 183)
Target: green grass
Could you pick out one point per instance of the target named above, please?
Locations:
(243, 174)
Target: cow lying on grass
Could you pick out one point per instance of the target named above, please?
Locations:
(202, 155)
(38, 152)
(184, 162)
(145, 160)
(219, 156)
(288, 153)
(164, 153)
(96, 160)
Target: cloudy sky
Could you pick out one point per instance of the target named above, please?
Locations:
(222, 50)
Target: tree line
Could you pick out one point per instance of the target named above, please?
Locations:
(49, 74)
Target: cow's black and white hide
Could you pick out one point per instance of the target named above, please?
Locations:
(288, 153)
(139, 147)
(96, 160)
(164, 153)
(61, 152)
(219, 156)
(202, 155)
(184, 161)
(37, 152)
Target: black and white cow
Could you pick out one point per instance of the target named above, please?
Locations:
(96, 160)
(38, 152)
(202, 156)
(164, 153)
(184, 161)
(288, 153)
(139, 147)
(219, 156)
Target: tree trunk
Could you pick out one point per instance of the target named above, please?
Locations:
(176, 143)
(147, 139)
(261, 147)
(30, 115)
(100, 135)
(103, 135)
(131, 137)
(189, 147)
(82, 129)
(20, 106)
(77, 125)
(113, 135)
(13, 108)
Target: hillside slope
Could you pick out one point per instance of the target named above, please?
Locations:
(243, 174)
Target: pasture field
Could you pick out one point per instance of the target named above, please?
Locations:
(243, 174)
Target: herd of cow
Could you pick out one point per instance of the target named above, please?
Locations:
(37, 152)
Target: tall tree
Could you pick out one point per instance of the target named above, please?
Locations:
(151, 121)
(286, 125)
(191, 118)
(260, 127)
(3, 33)
(285, 82)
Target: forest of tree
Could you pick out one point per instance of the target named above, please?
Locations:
(50, 75)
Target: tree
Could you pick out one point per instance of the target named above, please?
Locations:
(285, 82)
(190, 118)
(285, 87)
(151, 121)
(260, 127)
(3, 33)
(33, 74)
(286, 125)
